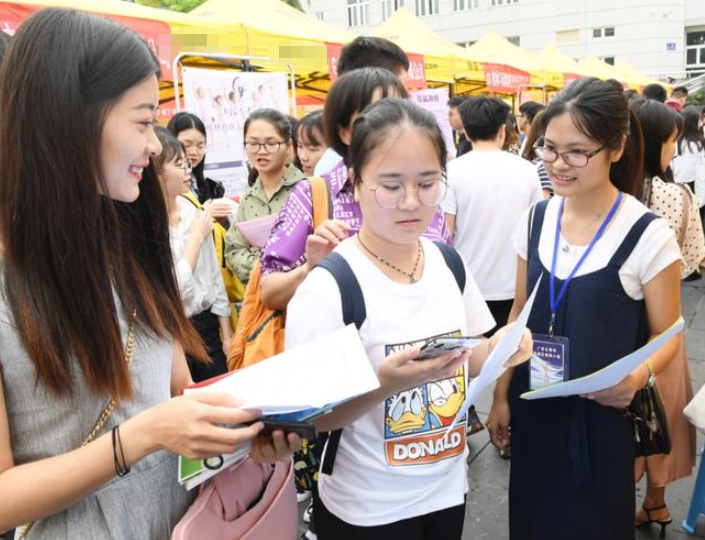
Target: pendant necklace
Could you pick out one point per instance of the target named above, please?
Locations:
(409, 275)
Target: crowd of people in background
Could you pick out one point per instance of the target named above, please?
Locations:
(123, 284)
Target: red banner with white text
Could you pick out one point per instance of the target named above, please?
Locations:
(505, 79)
(157, 34)
(416, 77)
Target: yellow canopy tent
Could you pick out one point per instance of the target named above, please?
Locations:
(507, 67)
(283, 34)
(637, 77)
(558, 68)
(444, 61)
(602, 70)
(167, 32)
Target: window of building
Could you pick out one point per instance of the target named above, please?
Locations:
(565, 37)
(389, 7)
(603, 32)
(503, 2)
(318, 15)
(358, 13)
(426, 7)
(462, 5)
(608, 60)
(515, 40)
(695, 51)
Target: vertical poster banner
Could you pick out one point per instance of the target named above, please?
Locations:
(435, 101)
(224, 100)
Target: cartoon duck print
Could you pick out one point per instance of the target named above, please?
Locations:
(407, 412)
(445, 398)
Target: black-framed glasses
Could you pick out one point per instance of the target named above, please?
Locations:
(573, 158)
(391, 194)
(270, 146)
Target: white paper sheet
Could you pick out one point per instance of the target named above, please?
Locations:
(328, 369)
(610, 375)
(257, 231)
(494, 366)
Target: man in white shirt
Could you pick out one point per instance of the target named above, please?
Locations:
(489, 190)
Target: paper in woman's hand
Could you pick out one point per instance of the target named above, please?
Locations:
(610, 375)
(495, 364)
(257, 231)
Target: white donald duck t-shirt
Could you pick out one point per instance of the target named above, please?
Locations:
(394, 463)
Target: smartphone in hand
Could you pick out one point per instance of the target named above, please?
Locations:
(440, 346)
(305, 430)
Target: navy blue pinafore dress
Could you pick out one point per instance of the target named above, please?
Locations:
(572, 470)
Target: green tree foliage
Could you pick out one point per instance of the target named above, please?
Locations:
(183, 6)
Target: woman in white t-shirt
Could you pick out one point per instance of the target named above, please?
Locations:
(197, 269)
(395, 473)
(689, 162)
(608, 279)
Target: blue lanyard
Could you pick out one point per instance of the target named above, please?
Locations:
(555, 302)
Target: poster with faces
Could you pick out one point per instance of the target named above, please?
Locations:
(224, 100)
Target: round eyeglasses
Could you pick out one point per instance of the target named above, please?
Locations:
(390, 195)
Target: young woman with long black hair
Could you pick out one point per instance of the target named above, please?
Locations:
(609, 280)
(92, 331)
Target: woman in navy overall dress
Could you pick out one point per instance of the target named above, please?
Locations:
(609, 280)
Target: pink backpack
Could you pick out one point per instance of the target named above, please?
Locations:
(246, 501)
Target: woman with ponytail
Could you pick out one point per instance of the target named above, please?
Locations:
(608, 280)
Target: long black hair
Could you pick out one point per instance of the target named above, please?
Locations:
(658, 122)
(600, 111)
(68, 249)
(349, 96)
(691, 133)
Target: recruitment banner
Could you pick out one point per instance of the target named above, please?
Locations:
(416, 75)
(505, 79)
(157, 34)
(224, 100)
(435, 101)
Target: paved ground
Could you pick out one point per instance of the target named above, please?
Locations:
(488, 474)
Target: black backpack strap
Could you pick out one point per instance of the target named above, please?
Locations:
(455, 263)
(354, 312)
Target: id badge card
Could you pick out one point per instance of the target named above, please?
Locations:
(549, 362)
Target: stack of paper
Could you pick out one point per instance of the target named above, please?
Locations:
(298, 384)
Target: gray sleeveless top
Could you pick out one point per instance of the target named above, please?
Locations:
(145, 504)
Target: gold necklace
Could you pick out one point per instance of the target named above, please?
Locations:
(410, 275)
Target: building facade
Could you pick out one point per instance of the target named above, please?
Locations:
(660, 38)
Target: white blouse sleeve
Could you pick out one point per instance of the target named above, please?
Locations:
(656, 249)
(221, 304)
